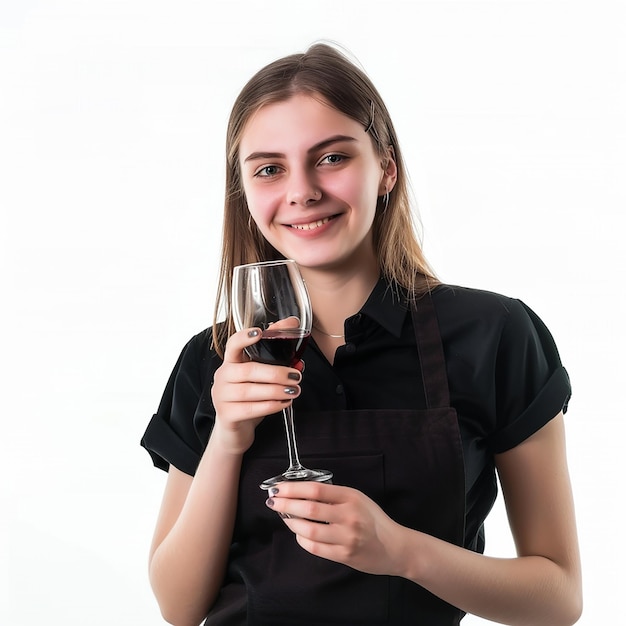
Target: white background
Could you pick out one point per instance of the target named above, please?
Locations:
(112, 124)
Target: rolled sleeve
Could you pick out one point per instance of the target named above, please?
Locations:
(532, 386)
(172, 436)
(550, 401)
(166, 447)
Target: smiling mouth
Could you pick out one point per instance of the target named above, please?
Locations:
(313, 225)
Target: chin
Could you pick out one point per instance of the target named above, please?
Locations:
(326, 264)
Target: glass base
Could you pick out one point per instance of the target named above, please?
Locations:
(318, 476)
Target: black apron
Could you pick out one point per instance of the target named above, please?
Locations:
(410, 462)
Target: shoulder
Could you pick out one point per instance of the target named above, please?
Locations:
(200, 344)
(453, 302)
(470, 298)
(502, 362)
(198, 358)
(482, 319)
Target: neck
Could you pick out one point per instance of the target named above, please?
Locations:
(337, 296)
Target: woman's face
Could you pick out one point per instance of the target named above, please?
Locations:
(312, 178)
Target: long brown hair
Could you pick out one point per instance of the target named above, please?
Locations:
(326, 72)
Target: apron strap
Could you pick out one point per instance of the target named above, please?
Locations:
(430, 349)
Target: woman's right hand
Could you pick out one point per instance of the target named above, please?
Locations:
(245, 391)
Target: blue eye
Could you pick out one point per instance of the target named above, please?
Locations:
(267, 171)
(333, 159)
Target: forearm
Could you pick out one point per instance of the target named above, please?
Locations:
(187, 567)
(530, 590)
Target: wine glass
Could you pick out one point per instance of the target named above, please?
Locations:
(272, 296)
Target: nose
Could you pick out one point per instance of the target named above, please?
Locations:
(302, 190)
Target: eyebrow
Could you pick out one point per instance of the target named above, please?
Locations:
(318, 146)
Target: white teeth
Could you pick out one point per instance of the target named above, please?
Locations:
(312, 225)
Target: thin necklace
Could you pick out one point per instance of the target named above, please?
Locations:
(319, 330)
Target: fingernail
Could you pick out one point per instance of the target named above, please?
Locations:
(294, 376)
(253, 333)
(273, 491)
(291, 391)
(269, 502)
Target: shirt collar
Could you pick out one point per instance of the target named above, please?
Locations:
(387, 306)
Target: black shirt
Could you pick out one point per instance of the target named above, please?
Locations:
(505, 377)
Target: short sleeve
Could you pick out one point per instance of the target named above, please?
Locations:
(178, 432)
(532, 386)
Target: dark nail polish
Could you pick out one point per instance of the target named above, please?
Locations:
(291, 391)
(253, 333)
(273, 491)
(269, 502)
(294, 376)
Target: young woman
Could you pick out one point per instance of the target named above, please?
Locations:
(414, 394)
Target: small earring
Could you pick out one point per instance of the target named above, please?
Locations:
(386, 199)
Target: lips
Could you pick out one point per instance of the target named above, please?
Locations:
(313, 225)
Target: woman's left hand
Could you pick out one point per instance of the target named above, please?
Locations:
(340, 524)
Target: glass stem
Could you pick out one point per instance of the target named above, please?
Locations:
(294, 461)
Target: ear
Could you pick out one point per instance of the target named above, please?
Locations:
(390, 172)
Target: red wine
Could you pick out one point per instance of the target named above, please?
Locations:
(279, 347)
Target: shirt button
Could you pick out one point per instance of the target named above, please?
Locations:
(339, 390)
(350, 348)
